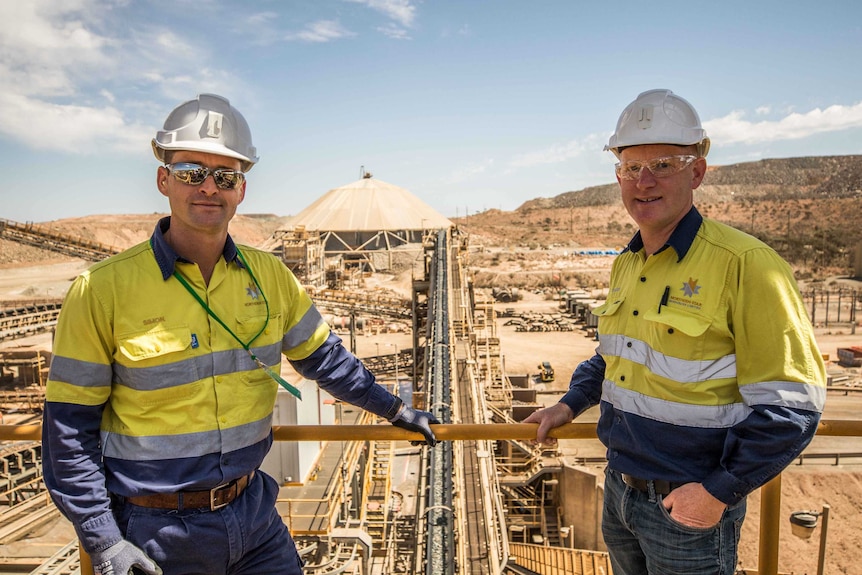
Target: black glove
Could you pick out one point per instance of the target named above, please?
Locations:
(415, 420)
(119, 558)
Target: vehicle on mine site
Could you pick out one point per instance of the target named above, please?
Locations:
(546, 372)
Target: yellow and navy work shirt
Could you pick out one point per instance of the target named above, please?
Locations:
(707, 368)
(149, 394)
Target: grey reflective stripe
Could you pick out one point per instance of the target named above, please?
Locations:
(302, 331)
(227, 362)
(77, 372)
(785, 394)
(703, 416)
(673, 368)
(269, 354)
(195, 368)
(184, 445)
(230, 361)
(237, 438)
(163, 376)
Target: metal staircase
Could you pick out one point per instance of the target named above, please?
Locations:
(66, 561)
(379, 490)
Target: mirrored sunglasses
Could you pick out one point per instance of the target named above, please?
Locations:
(658, 167)
(195, 174)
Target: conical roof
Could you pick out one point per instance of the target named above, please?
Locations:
(369, 205)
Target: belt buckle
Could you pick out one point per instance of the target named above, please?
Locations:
(215, 506)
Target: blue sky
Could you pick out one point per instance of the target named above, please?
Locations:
(470, 105)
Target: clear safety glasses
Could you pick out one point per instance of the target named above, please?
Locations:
(195, 174)
(658, 167)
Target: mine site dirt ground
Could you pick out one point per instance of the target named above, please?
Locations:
(804, 487)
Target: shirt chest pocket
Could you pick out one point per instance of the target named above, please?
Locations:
(678, 333)
(610, 318)
(258, 329)
(674, 320)
(158, 359)
(140, 347)
(609, 308)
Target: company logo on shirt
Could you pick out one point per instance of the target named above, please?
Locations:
(690, 288)
(252, 291)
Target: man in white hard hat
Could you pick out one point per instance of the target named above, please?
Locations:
(165, 370)
(707, 372)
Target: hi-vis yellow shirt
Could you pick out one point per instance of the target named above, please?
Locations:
(150, 394)
(711, 369)
(167, 369)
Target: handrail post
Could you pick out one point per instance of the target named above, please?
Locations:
(824, 525)
(770, 523)
(84, 561)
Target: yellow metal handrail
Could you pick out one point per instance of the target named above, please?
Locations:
(560, 560)
(770, 493)
(444, 432)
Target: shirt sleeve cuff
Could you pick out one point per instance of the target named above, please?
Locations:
(99, 533)
(381, 402)
(725, 487)
(576, 400)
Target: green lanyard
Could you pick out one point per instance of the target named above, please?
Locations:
(245, 346)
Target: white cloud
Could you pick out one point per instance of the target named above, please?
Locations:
(394, 32)
(467, 172)
(41, 51)
(559, 152)
(261, 18)
(402, 11)
(69, 128)
(321, 31)
(67, 70)
(734, 129)
(261, 28)
(168, 43)
(51, 51)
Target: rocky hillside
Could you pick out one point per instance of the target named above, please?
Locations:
(809, 209)
(781, 179)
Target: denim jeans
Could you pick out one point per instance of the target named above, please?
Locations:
(248, 537)
(643, 539)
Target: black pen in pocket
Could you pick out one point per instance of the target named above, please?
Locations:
(664, 297)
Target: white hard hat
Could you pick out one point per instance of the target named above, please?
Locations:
(207, 124)
(659, 117)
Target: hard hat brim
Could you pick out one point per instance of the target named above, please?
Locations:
(205, 147)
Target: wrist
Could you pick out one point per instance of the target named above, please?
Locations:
(393, 412)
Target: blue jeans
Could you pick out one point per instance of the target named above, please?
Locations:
(248, 537)
(643, 539)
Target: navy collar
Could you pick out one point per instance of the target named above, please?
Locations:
(167, 258)
(681, 238)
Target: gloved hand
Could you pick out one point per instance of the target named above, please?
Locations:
(119, 558)
(416, 420)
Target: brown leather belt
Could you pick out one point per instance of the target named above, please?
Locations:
(211, 499)
(660, 486)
